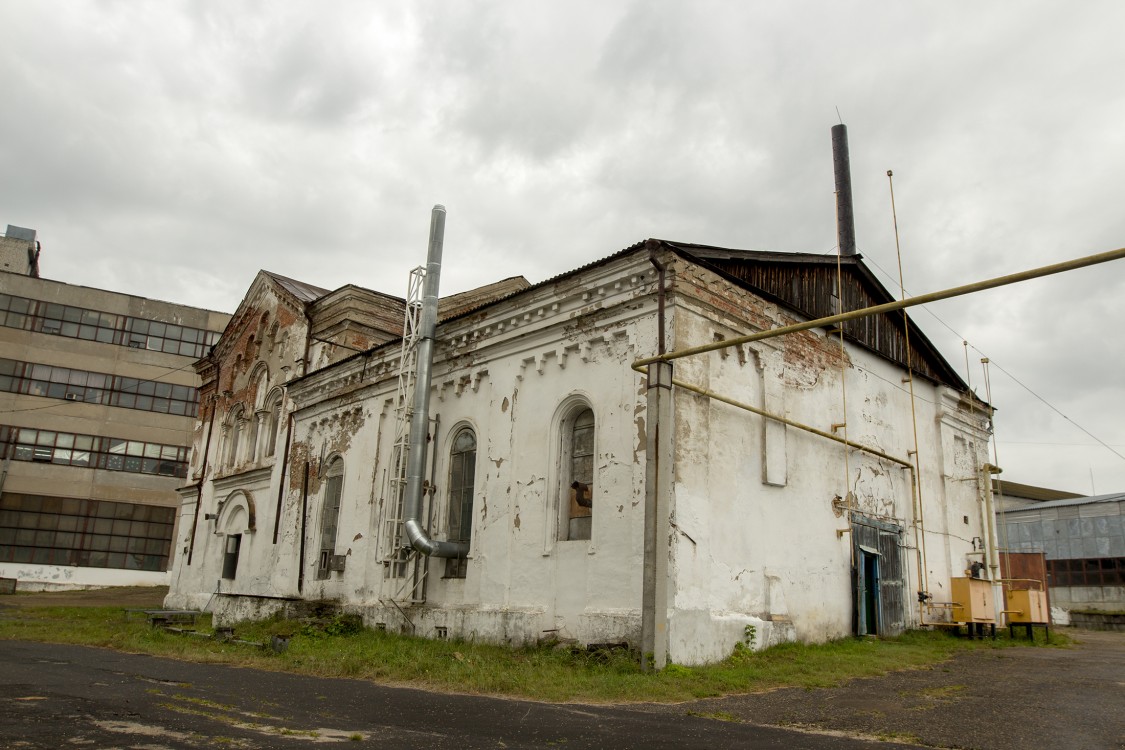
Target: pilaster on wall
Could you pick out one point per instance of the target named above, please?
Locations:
(774, 458)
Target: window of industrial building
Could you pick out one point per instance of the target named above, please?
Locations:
(462, 474)
(107, 328)
(90, 533)
(578, 474)
(92, 451)
(97, 388)
(330, 515)
(1092, 571)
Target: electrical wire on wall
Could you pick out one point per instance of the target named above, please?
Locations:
(993, 363)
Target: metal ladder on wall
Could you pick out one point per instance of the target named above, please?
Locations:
(400, 561)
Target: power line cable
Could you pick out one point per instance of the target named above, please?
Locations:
(992, 361)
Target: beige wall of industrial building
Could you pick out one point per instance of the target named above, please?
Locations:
(98, 398)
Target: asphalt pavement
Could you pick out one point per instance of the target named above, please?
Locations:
(54, 696)
(1005, 699)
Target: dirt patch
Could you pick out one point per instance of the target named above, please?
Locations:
(131, 597)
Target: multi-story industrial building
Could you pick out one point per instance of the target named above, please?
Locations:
(98, 400)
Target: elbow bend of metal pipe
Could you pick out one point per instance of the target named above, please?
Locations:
(431, 547)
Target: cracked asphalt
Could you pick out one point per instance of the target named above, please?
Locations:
(1007, 699)
(55, 696)
(69, 696)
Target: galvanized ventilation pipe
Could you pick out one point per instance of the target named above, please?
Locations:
(420, 416)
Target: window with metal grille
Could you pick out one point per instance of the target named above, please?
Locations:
(47, 530)
(92, 451)
(330, 516)
(578, 463)
(107, 328)
(69, 384)
(462, 474)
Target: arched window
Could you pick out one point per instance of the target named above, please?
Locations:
(273, 420)
(234, 436)
(578, 473)
(330, 516)
(462, 475)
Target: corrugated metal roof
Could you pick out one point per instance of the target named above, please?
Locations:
(299, 289)
(1116, 497)
(1030, 492)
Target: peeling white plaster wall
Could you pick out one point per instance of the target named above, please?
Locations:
(756, 540)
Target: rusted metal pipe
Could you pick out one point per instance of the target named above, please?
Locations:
(842, 171)
(203, 469)
(304, 529)
(958, 291)
(661, 270)
(284, 472)
(792, 423)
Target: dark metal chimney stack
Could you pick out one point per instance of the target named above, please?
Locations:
(845, 216)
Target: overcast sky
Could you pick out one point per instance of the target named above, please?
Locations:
(173, 149)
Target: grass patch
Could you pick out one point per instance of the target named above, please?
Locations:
(340, 648)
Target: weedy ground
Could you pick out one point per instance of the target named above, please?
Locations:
(340, 646)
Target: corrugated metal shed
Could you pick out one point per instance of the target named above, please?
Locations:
(1116, 497)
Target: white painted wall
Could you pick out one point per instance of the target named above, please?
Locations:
(756, 539)
(31, 577)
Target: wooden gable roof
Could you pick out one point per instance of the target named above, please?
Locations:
(807, 284)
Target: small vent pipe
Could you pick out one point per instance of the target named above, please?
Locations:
(420, 417)
(845, 216)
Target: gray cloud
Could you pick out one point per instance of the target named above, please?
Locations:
(174, 149)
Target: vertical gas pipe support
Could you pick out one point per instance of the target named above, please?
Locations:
(658, 477)
(420, 418)
(993, 557)
(658, 483)
(304, 527)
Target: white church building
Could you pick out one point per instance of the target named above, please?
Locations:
(561, 485)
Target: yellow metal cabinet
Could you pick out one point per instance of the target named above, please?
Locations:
(972, 600)
(1027, 606)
